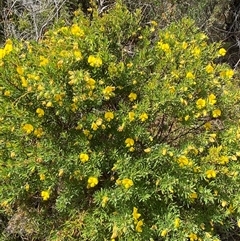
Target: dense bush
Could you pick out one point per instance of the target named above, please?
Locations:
(114, 131)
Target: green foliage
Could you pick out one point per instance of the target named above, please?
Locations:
(167, 11)
(112, 131)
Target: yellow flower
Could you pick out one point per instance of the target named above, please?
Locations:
(65, 54)
(114, 233)
(40, 112)
(131, 116)
(86, 132)
(43, 61)
(202, 36)
(118, 182)
(45, 195)
(38, 132)
(164, 151)
(42, 176)
(129, 65)
(230, 210)
(200, 103)
(8, 47)
(186, 118)
(63, 29)
(172, 89)
(40, 87)
(223, 160)
(127, 183)
(49, 104)
(92, 182)
(90, 82)
(20, 70)
(132, 96)
(13, 154)
(27, 186)
(212, 137)
(209, 69)
(143, 117)
(147, 150)
(129, 142)
(58, 97)
(210, 173)
(131, 149)
(196, 51)
(73, 107)
(84, 157)
(28, 128)
(77, 55)
(94, 126)
(134, 82)
(193, 195)
(7, 93)
(216, 113)
(76, 13)
(75, 30)
(183, 161)
(224, 203)
(2, 53)
(164, 232)
(135, 214)
(104, 201)
(177, 222)
(208, 125)
(99, 121)
(212, 99)
(24, 82)
(164, 47)
(108, 92)
(192, 236)
(190, 75)
(229, 73)
(109, 115)
(222, 51)
(184, 45)
(33, 76)
(184, 102)
(60, 64)
(60, 172)
(139, 226)
(94, 61)
(153, 23)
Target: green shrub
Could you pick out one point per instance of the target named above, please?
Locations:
(114, 131)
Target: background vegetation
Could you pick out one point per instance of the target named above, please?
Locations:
(26, 19)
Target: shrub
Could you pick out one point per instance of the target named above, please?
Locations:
(115, 131)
